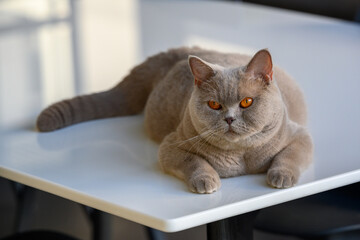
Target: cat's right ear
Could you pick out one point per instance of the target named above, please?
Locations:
(261, 66)
(200, 70)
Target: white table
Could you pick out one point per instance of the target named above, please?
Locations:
(110, 164)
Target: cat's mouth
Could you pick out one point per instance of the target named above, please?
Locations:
(231, 131)
(235, 135)
(231, 135)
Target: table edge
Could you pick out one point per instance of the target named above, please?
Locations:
(192, 220)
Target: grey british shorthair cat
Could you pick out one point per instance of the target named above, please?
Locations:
(214, 114)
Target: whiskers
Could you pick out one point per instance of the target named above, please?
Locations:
(242, 135)
(195, 138)
(199, 143)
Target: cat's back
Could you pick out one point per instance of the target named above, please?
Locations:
(292, 96)
(168, 100)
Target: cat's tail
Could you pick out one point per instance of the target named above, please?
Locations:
(127, 98)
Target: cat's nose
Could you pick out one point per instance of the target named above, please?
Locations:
(229, 120)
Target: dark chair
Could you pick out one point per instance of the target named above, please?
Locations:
(39, 235)
(329, 215)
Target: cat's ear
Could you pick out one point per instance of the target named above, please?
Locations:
(261, 66)
(200, 69)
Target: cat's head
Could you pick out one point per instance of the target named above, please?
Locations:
(235, 105)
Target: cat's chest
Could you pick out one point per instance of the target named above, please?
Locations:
(227, 164)
(235, 163)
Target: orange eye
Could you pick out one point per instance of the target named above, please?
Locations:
(214, 105)
(246, 102)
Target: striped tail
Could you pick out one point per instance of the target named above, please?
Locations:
(127, 98)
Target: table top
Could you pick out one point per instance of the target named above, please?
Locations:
(110, 164)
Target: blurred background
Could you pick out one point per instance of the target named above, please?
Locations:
(55, 49)
(347, 10)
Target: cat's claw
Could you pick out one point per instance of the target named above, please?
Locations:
(205, 183)
(281, 178)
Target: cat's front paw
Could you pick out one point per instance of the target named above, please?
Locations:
(204, 183)
(281, 178)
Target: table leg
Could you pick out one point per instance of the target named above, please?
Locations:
(96, 224)
(239, 227)
(153, 234)
(101, 223)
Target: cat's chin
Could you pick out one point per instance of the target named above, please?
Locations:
(232, 136)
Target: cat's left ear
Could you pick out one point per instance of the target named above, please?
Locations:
(261, 66)
(200, 69)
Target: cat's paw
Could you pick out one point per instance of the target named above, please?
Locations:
(281, 178)
(204, 183)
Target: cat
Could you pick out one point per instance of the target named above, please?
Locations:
(215, 115)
